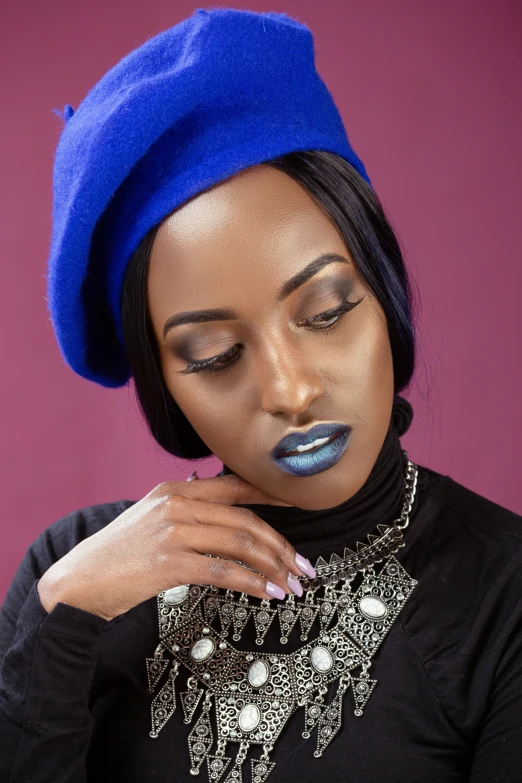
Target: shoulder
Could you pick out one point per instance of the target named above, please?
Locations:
(479, 512)
(459, 514)
(470, 544)
(466, 553)
(51, 544)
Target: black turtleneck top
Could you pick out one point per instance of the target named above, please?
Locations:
(447, 708)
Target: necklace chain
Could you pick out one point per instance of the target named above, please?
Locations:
(254, 692)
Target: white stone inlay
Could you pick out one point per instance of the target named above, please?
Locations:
(202, 649)
(176, 595)
(249, 717)
(321, 659)
(258, 674)
(372, 607)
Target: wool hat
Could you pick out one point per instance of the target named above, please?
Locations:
(222, 90)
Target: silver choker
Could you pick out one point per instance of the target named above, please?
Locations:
(255, 693)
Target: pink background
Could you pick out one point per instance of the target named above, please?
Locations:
(430, 95)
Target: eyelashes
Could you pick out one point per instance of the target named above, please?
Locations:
(330, 319)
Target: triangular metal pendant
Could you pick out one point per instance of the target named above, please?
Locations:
(189, 701)
(164, 703)
(200, 741)
(307, 614)
(241, 614)
(320, 563)
(326, 612)
(383, 529)
(335, 559)
(263, 617)
(217, 766)
(329, 723)
(394, 570)
(362, 690)
(226, 614)
(234, 775)
(155, 668)
(261, 770)
(372, 539)
(348, 553)
(313, 712)
(288, 615)
(210, 607)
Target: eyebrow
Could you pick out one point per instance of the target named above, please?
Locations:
(226, 314)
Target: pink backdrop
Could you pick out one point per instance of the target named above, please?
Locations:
(430, 94)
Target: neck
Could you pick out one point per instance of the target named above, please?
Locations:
(324, 531)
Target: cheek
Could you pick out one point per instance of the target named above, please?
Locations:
(366, 371)
(214, 415)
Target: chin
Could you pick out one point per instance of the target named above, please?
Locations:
(324, 490)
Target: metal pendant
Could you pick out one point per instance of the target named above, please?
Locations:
(190, 699)
(164, 703)
(217, 766)
(313, 712)
(155, 667)
(200, 738)
(263, 617)
(308, 613)
(261, 769)
(235, 775)
(241, 615)
(254, 694)
(362, 689)
(287, 618)
(226, 612)
(210, 606)
(331, 718)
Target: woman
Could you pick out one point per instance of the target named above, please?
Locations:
(216, 237)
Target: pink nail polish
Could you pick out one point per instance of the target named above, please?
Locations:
(274, 591)
(193, 476)
(294, 584)
(305, 566)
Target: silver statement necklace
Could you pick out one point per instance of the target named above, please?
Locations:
(255, 693)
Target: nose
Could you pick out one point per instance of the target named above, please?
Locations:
(288, 379)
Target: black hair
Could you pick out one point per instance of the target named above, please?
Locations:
(356, 210)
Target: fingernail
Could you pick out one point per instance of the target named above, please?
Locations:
(305, 566)
(193, 476)
(275, 591)
(294, 584)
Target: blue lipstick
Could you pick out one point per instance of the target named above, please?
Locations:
(314, 460)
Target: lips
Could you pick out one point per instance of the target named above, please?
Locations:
(288, 445)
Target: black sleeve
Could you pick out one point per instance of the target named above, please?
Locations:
(47, 664)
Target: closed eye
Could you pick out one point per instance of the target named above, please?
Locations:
(322, 322)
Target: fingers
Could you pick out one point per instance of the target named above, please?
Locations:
(234, 543)
(253, 533)
(230, 489)
(200, 570)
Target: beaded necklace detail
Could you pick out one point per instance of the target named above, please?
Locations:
(255, 693)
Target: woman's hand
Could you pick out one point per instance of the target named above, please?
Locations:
(162, 542)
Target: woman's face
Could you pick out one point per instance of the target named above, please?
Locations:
(233, 249)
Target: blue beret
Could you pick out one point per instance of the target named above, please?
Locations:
(222, 90)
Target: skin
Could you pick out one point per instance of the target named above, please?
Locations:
(234, 246)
